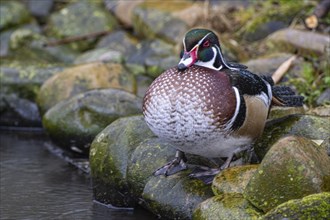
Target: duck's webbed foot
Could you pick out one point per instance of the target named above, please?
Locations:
(174, 166)
(207, 174)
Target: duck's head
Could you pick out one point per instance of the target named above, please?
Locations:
(201, 47)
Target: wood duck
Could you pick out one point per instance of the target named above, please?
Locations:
(208, 106)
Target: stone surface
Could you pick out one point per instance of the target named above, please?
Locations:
(304, 41)
(81, 78)
(309, 126)
(154, 20)
(324, 98)
(315, 206)
(68, 22)
(73, 123)
(100, 55)
(110, 156)
(18, 112)
(175, 196)
(224, 207)
(40, 9)
(233, 179)
(293, 168)
(12, 13)
(280, 112)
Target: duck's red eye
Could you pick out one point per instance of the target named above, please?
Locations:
(206, 44)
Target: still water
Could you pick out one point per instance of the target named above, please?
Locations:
(36, 184)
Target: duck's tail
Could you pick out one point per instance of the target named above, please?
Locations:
(284, 95)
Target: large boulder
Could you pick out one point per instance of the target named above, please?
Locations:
(13, 13)
(293, 168)
(80, 18)
(81, 78)
(73, 123)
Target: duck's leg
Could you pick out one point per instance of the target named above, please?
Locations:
(207, 174)
(174, 166)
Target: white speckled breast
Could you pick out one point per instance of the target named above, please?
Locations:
(190, 109)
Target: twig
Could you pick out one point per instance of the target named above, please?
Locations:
(76, 38)
(282, 69)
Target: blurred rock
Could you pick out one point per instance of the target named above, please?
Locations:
(143, 83)
(110, 157)
(279, 112)
(320, 111)
(315, 206)
(324, 98)
(175, 196)
(152, 58)
(13, 13)
(293, 168)
(226, 206)
(81, 78)
(18, 112)
(264, 29)
(233, 179)
(24, 77)
(77, 19)
(40, 9)
(153, 19)
(73, 123)
(308, 126)
(304, 41)
(100, 55)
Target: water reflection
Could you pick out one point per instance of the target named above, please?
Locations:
(36, 184)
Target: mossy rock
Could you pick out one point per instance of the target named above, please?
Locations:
(77, 19)
(24, 77)
(13, 13)
(231, 206)
(110, 157)
(154, 20)
(73, 123)
(293, 168)
(100, 55)
(309, 126)
(81, 78)
(315, 206)
(233, 179)
(175, 196)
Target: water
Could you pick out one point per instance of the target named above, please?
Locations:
(36, 184)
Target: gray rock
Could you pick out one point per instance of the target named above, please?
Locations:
(100, 55)
(231, 206)
(18, 112)
(110, 158)
(324, 98)
(315, 206)
(12, 13)
(175, 196)
(73, 123)
(293, 168)
(40, 9)
(80, 18)
(264, 29)
(309, 126)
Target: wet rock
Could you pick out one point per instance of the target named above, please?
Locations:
(233, 179)
(293, 168)
(18, 112)
(309, 126)
(305, 41)
(110, 156)
(175, 196)
(24, 77)
(68, 22)
(154, 20)
(12, 13)
(73, 123)
(227, 206)
(324, 98)
(100, 55)
(315, 206)
(152, 58)
(40, 9)
(78, 79)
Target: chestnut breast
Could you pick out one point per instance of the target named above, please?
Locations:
(188, 105)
